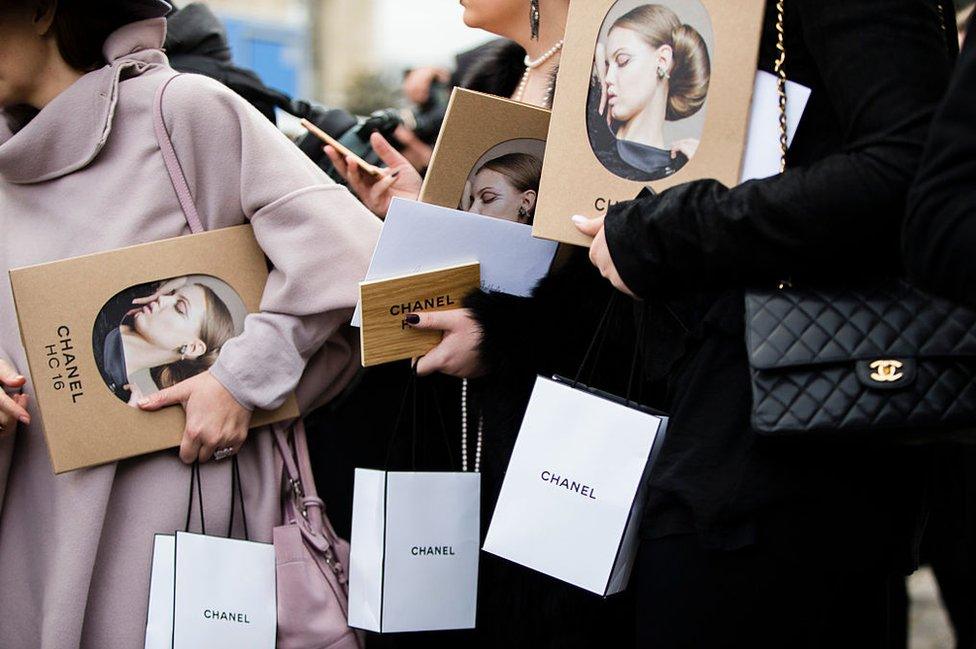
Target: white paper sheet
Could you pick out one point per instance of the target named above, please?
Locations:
(417, 237)
(762, 154)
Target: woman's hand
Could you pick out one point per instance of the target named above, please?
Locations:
(13, 407)
(214, 419)
(600, 252)
(165, 289)
(687, 146)
(399, 179)
(457, 354)
(602, 67)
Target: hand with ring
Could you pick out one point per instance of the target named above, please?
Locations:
(214, 418)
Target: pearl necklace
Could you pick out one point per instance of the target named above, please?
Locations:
(464, 432)
(531, 65)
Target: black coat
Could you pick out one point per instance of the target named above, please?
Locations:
(877, 69)
(940, 229)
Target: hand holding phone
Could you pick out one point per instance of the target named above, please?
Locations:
(344, 151)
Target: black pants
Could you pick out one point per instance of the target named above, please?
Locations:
(758, 597)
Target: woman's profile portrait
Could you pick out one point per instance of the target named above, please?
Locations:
(153, 336)
(504, 183)
(651, 72)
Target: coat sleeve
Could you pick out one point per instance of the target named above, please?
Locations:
(940, 228)
(317, 237)
(883, 65)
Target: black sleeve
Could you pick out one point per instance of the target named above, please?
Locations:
(884, 65)
(547, 332)
(939, 239)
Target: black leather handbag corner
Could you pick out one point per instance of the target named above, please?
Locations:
(887, 357)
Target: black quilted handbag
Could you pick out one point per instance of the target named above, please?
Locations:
(881, 357)
(885, 357)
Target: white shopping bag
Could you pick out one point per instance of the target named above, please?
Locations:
(414, 558)
(224, 594)
(573, 495)
(159, 624)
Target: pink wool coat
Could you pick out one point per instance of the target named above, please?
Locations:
(86, 175)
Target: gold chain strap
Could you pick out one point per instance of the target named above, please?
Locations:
(780, 68)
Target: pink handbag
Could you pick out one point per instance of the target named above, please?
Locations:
(313, 596)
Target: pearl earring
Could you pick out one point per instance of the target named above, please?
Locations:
(534, 18)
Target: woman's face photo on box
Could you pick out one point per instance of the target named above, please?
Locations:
(153, 336)
(651, 72)
(504, 183)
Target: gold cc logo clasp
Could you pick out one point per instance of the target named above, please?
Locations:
(886, 371)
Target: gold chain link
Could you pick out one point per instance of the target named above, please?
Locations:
(780, 68)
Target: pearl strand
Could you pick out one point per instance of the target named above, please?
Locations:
(464, 432)
(531, 65)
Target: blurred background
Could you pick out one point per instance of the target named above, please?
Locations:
(343, 53)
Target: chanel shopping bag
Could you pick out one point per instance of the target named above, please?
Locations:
(415, 544)
(572, 498)
(220, 591)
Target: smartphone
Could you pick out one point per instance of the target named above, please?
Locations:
(372, 170)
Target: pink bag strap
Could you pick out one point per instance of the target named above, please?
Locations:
(302, 499)
(176, 174)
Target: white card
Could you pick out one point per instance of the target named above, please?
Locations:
(417, 237)
(762, 156)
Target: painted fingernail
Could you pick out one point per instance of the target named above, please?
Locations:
(24, 419)
(412, 319)
(394, 174)
(580, 220)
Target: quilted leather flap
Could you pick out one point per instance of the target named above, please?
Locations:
(804, 327)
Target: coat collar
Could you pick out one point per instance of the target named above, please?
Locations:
(69, 132)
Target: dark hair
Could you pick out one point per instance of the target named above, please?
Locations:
(80, 27)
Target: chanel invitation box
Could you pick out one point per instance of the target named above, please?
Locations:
(649, 95)
(104, 330)
(418, 238)
(385, 335)
(493, 169)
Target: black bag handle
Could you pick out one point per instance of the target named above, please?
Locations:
(411, 391)
(236, 492)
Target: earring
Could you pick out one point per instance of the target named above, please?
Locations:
(662, 73)
(534, 18)
(523, 214)
(182, 351)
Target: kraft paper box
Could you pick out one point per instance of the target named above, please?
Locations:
(385, 337)
(103, 330)
(487, 133)
(629, 115)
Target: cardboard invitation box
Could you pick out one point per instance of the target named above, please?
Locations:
(649, 94)
(385, 335)
(104, 330)
(488, 157)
